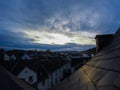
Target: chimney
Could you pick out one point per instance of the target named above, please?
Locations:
(102, 41)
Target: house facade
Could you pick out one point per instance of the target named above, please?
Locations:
(6, 57)
(54, 78)
(28, 75)
(13, 57)
(25, 57)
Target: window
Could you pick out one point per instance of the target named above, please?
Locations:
(26, 71)
(43, 82)
(30, 79)
(23, 79)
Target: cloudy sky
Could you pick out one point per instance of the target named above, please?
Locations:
(56, 24)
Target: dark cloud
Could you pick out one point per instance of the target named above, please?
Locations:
(33, 13)
(12, 39)
(100, 16)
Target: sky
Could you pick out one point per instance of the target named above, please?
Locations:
(59, 25)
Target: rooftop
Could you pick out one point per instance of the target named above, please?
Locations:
(9, 81)
(100, 73)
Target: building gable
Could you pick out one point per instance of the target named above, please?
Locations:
(13, 57)
(6, 57)
(26, 57)
(28, 75)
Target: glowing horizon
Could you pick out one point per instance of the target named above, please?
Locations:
(57, 38)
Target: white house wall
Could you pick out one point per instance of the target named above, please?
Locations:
(44, 86)
(49, 81)
(69, 65)
(6, 57)
(40, 86)
(26, 57)
(54, 78)
(26, 73)
(13, 57)
(61, 73)
(58, 76)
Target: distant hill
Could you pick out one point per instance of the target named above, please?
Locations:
(89, 51)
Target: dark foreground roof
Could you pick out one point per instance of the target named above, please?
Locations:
(10, 82)
(100, 73)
